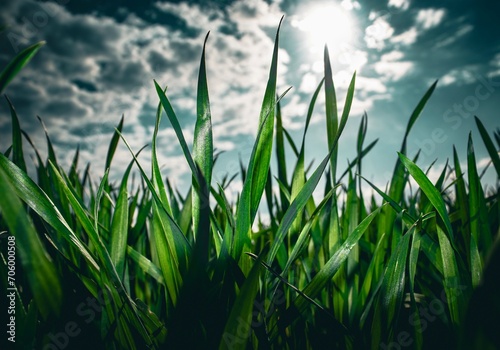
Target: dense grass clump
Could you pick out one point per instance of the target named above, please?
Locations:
(100, 266)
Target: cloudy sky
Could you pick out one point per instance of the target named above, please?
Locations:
(101, 58)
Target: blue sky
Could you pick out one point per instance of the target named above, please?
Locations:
(101, 57)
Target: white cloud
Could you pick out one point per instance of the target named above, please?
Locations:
(350, 5)
(370, 85)
(406, 38)
(377, 33)
(392, 56)
(400, 4)
(110, 67)
(464, 75)
(391, 67)
(309, 83)
(430, 18)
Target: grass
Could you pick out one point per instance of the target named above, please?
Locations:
(114, 266)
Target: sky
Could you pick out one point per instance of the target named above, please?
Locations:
(101, 57)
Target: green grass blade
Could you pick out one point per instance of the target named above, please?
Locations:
(281, 159)
(262, 157)
(145, 264)
(304, 234)
(474, 214)
(430, 191)
(37, 264)
(119, 226)
(391, 294)
(331, 111)
(244, 218)
(417, 111)
(452, 282)
(492, 151)
(37, 200)
(331, 267)
(17, 142)
(203, 143)
(15, 66)
(113, 144)
(177, 127)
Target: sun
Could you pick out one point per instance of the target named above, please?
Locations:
(333, 25)
(326, 24)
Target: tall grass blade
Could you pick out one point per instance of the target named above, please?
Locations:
(40, 271)
(490, 147)
(15, 66)
(203, 144)
(430, 191)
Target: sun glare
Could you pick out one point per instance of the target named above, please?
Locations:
(326, 24)
(335, 26)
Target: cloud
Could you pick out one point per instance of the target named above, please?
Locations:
(377, 33)
(430, 18)
(463, 76)
(94, 68)
(406, 38)
(391, 68)
(350, 5)
(399, 4)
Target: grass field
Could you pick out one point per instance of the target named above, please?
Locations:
(121, 266)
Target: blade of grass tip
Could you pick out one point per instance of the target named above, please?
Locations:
(99, 195)
(17, 142)
(238, 326)
(36, 262)
(37, 200)
(52, 154)
(417, 112)
(398, 180)
(291, 142)
(113, 144)
(492, 151)
(16, 64)
(358, 158)
(175, 124)
(262, 157)
(430, 191)
(331, 111)
(202, 149)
